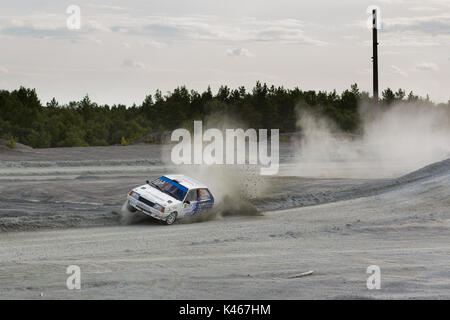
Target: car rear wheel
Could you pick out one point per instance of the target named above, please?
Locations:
(171, 218)
(130, 207)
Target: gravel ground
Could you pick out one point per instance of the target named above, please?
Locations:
(336, 227)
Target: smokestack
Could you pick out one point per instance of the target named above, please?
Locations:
(375, 54)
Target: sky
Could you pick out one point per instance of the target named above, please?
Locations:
(125, 50)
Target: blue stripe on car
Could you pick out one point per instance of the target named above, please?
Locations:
(176, 184)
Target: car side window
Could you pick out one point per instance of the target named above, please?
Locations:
(192, 195)
(203, 195)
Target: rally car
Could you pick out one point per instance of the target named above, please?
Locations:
(170, 197)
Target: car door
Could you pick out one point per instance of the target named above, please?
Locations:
(205, 199)
(190, 203)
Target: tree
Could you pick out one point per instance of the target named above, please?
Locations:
(388, 96)
(86, 123)
(400, 95)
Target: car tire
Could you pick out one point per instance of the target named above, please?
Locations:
(130, 207)
(171, 218)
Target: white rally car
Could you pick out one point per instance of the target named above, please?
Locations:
(170, 197)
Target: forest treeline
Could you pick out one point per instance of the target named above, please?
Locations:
(23, 118)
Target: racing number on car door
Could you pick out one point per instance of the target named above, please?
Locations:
(204, 200)
(190, 204)
(197, 200)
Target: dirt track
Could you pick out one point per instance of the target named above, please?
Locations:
(401, 225)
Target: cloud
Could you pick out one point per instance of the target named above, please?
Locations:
(40, 33)
(423, 8)
(93, 39)
(432, 25)
(153, 44)
(414, 31)
(350, 37)
(41, 26)
(397, 70)
(130, 63)
(239, 52)
(211, 28)
(97, 26)
(439, 3)
(426, 66)
(105, 6)
(412, 40)
(163, 28)
(364, 72)
(390, 52)
(51, 26)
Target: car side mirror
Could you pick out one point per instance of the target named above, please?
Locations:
(148, 182)
(187, 202)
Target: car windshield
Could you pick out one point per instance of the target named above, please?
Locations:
(170, 187)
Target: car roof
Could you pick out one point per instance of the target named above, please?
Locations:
(186, 181)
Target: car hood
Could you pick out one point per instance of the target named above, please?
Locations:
(156, 195)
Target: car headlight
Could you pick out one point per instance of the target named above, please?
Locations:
(134, 194)
(158, 207)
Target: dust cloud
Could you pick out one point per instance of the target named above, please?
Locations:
(129, 217)
(394, 141)
(233, 186)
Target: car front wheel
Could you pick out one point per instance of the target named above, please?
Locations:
(130, 207)
(171, 218)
